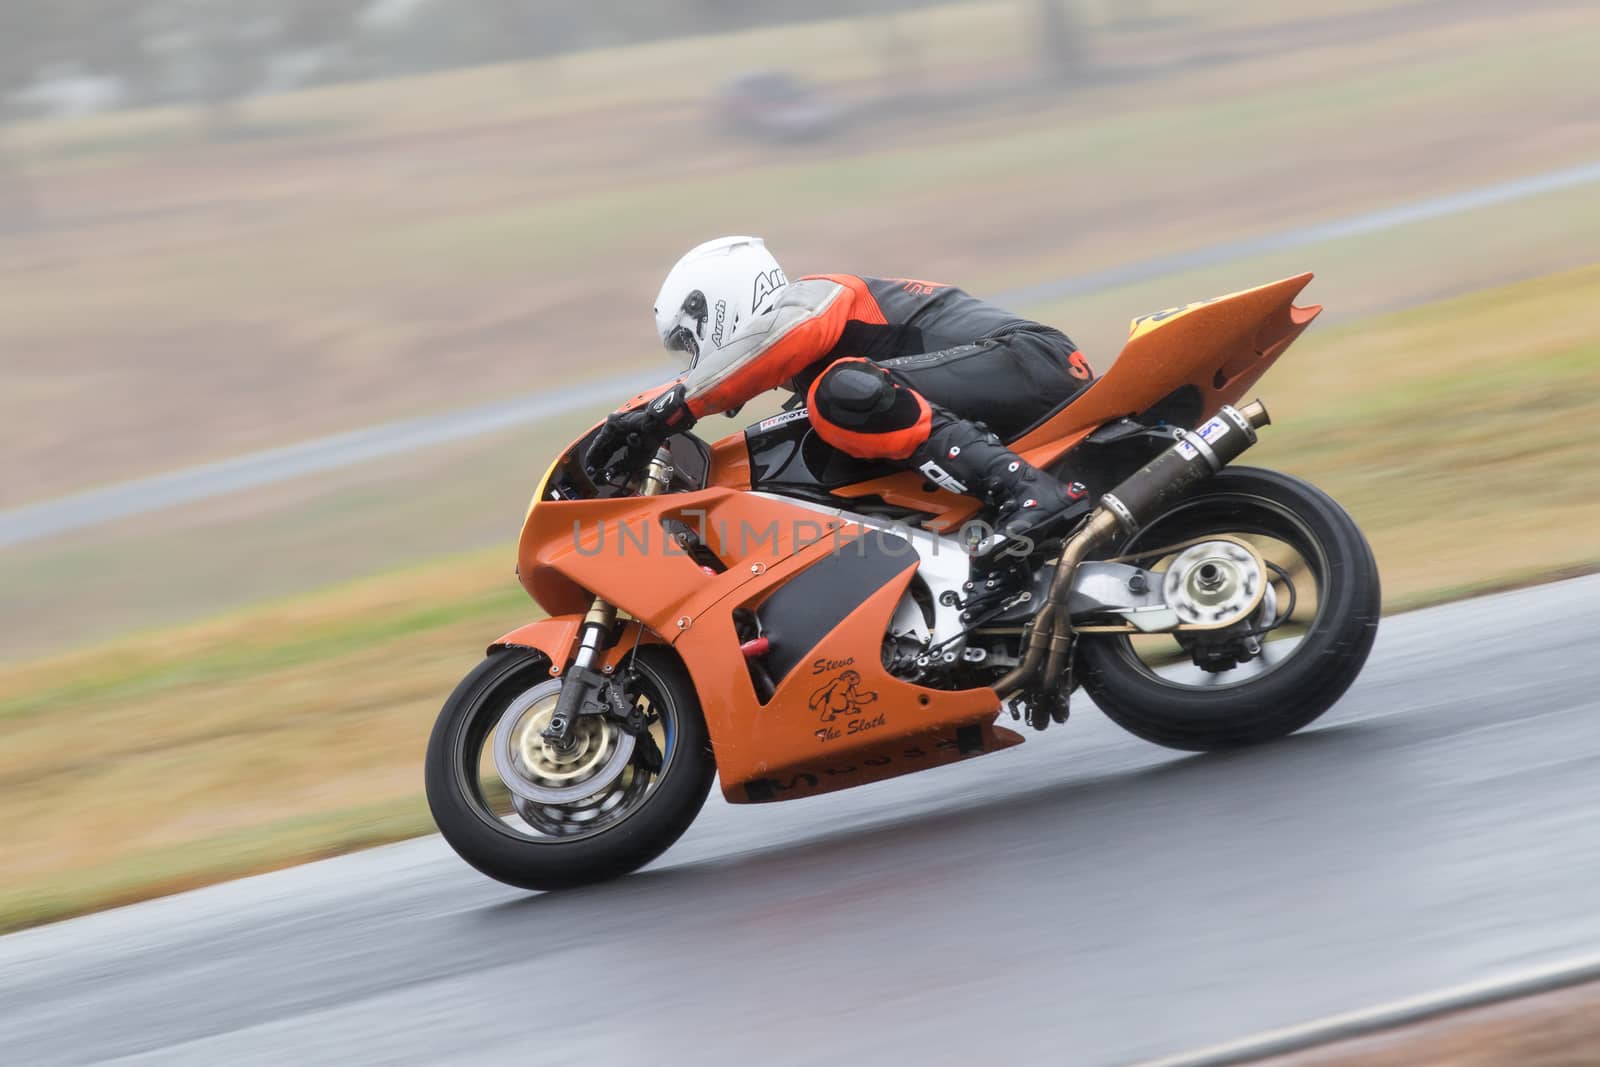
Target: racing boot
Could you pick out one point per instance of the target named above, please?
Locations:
(965, 457)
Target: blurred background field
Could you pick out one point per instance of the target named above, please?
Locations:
(435, 220)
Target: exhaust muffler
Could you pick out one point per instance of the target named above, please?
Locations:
(1151, 490)
(1141, 498)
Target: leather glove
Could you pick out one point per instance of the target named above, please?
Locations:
(629, 439)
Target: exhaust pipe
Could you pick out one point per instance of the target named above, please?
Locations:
(1141, 498)
(1150, 491)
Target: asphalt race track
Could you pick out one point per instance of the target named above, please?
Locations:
(1086, 897)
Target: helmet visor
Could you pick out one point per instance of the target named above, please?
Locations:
(685, 336)
(682, 339)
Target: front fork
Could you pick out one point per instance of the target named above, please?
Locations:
(585, 691)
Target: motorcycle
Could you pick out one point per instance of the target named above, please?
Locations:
(767, 611)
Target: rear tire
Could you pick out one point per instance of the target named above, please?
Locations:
(1291, 694)
(485, 840)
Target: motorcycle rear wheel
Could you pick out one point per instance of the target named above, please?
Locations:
(560, 846)
(1179, 705)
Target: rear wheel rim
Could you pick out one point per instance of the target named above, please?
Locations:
(1255, 518)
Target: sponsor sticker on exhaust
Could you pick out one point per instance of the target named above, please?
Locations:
(1213, 429)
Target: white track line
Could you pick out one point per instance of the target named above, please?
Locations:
(1292, 1039)
(1354, 226)
(141, 496)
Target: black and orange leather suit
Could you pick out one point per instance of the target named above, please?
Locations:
(892, 368)
(877, 357)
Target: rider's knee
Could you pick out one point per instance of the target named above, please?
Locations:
(858, 408)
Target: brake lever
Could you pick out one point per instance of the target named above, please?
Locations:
(617, 477)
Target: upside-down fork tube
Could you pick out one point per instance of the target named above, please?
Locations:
(1143, 496)
(581, 680)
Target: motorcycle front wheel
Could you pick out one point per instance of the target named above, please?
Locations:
(538, 819)
(1269, 677)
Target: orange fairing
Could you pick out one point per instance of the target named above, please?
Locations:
(910, 490)
(618, 549)
(837, 720)
(1219, 347)
(808, 738)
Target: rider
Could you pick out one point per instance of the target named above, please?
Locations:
(915, 372)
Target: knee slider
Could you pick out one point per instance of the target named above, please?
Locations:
(853, 394)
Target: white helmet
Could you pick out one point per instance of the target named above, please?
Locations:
(713, 290)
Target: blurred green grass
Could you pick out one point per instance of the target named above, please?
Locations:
(1458, 434)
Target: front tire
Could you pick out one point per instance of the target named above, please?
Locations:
(1184, 708)
(474, 812)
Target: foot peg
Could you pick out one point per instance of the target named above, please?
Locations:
(1041, 708)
